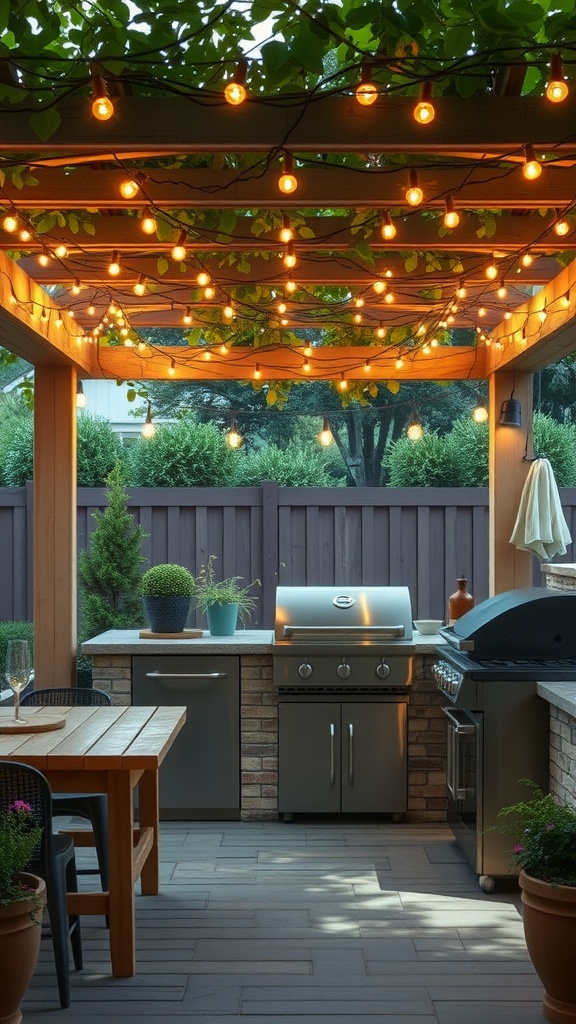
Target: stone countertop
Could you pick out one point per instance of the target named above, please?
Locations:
(561, 695)
(244, 641)
(560, 569)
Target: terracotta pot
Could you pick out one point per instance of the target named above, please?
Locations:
(550, 930)
(20, 933)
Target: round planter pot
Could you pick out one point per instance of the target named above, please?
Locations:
(222, 619)
(167, 614)
(550, 930)
(20, 933)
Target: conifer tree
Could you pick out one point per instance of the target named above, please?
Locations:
(109, 572)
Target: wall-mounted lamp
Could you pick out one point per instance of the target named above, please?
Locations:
(510, 413)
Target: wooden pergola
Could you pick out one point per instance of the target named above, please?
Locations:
(473, 162)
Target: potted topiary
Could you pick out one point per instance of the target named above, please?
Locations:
(223, 601)
(167, 590)
(545, 853)
(22, 898)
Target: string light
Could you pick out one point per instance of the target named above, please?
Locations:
(179, 250)
(414, 430)
(366, 92)
(129, 188)
(367, 366)
(24, 235)
(233, 437)
(290, 286)
(389, 298)
(461, 290)
(358, 318)
(149, 222)
(502, 290)
(414, 194)
(76, 287)
(257, 372)
(379, 286)
(61, 251)
(491, 271)
(451, 216)
(44, 257)
(140, 286)
(235, 91)
(10, 222)
(359, 302)
(557, 89)
(209, 293)
(286, 232)
(81, 400)
(203, 278)
(228, 311)
(114, 265)
(289, 259)
(399, 363)
(527, 260)
(281, 307)
(325, 437)
(306, 366)
(388, 228)
(148, 430)
(172, 368)
(380, 332)
(287, 182)
(424, 111)
(343, 383)
(482, 311)
(102, 106)
(532, 168)
(187, 318)
(561, 225)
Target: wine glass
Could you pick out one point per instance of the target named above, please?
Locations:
(17, 670)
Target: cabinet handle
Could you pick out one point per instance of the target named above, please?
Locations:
(186, 675)
(332, 766)
(350, 754)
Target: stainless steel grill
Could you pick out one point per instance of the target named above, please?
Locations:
(343, 668)
(498, 727)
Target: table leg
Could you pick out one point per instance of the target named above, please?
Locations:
(122, 912)
(148, 813)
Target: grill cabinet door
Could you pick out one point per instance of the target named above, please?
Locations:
(374, 762)
(309, 757)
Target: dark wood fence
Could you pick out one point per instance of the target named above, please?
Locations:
(419, 537)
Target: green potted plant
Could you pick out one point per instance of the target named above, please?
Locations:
(223, 601)
(167, 590)
(22, 898)
(545, 854)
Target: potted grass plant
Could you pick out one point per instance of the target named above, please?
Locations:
(167, 590)
(223, 601)
(545, 854)
(22, 897)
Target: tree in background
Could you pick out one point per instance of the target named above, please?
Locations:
(109, 571)
(98, 449)
(428, 462)
(556, 442)
(295, 466)
(183, 454)
(468, 442)
(13, 413)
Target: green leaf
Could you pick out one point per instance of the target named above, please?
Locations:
(73, 223)
(411, 262)
(162, 265)
(45, 122)
(89, 227)
(393, 386)
(458, 40)
(306, 232)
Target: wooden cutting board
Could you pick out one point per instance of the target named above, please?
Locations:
(186, 634)
(36, 723)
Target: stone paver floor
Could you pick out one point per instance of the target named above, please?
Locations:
(351, 922)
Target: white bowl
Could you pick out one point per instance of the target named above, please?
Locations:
(427, 626)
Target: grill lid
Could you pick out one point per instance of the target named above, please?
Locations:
(356, 614)
(530, 622)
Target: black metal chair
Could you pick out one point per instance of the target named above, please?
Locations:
(53, 860)
(93, 806)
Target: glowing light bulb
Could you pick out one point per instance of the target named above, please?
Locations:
(290, 286)
(76, 287)
(306, 366)
(228, 312)
(149, 222)
(531, 169)
(491, 271)
(357, 318)
(140, 286)
(527, 260)
(10, 223)
(91, 311)
(366, 92)
(542, 314)
(451, 216)
(343, 383)
(399, 363)
(172, 368)
(414, 430)
(379, 286)
(287, 181)
(359, 302)
(114, 265)
(482, 311)
(233, 437)
(102, 106)
(380, 332)
(187, 318)
(480, 413)
(286, 232)
(388, 228)
(561, 226)
(557, 89)
(289, 259)
(565, 302)
(203, 278)
(148, 429)
(325, 437)
(389, 298)
(129, 188)
(61, 251)
(179, 250)
(367, 366)
(281, 307)
(461, 291)
(257, 372)
(414, 194)
(424, 111)
(209, 292)
(235, 91)
(24, 235)
(502, 290)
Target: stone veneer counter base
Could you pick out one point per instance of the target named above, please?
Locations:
(112, 669)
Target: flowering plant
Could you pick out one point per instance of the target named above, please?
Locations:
(546, 837)
(19, 837)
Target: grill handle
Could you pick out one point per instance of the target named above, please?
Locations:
(457, 727)
(186, 675)
(350, 754)
(387, 632)
(332, 765)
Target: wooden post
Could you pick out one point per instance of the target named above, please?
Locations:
(55, 526)
(509, 567)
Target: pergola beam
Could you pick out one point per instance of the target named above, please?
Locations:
(483, 186)
(317, 124)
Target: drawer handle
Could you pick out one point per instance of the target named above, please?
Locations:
(332, 765)
(186, 675)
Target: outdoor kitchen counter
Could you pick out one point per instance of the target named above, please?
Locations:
(562, 700)
(113, 654)
(244, 641)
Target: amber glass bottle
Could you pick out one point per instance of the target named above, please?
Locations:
(460, 601)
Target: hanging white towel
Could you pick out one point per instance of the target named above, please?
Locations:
(540, 524)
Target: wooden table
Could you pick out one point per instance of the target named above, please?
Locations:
(109, 750)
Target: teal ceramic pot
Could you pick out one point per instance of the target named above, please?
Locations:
(222, 619)
(167, 614)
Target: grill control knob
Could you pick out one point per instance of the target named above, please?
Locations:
(382, 670)
(305, 670)
(344, 670)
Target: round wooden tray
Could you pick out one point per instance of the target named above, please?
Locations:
(36, 723)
